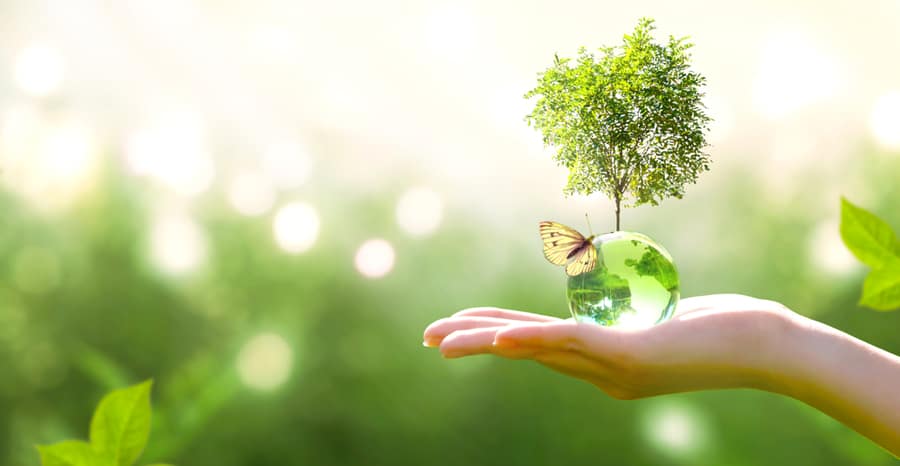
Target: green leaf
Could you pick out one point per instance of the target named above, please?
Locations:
(881, 290)
(121, 424)
(70, 453)
(868, 237)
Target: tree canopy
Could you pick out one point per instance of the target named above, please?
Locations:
(628, 122)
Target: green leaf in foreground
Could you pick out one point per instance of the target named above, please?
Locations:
(70, 453)
(119, 431)
(121, 424)
(868, 237)
(881, 290)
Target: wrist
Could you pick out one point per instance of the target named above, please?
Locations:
(800, 361)
(786, 339)
(842, 376)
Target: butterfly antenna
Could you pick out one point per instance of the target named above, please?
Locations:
(588, 220)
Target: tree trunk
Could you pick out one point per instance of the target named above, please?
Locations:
(618, 210)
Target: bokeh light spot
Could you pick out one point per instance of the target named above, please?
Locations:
(173, 149)
(884, 121)
(69, 154)
(251, 194)
(177, 243)
(49, 162)
(675, 428)
(419, 211)
(39, 70)
(296, 227)
(375, 258)
(827, 249)
(264, 362)
(793, 73)
(36, 270)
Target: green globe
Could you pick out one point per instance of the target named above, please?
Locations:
(634, 285)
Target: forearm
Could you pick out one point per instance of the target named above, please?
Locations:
(842, 376)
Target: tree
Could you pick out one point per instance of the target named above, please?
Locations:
(629, 123)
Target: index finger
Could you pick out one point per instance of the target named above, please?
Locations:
(505, 314)
(568, 335)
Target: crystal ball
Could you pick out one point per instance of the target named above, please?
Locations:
(634, 284)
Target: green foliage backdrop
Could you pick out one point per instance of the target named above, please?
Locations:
(263, 356)
(363, 390)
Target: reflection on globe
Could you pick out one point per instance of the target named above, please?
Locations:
(634, 284)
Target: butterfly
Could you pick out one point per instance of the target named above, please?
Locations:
(565, 246)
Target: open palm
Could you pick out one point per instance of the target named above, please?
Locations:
(715, 341)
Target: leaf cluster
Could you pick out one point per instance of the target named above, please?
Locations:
(874, 243)
(120, 428)
(628, 120)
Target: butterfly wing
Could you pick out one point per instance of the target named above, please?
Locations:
(584, 260)
(560, 242)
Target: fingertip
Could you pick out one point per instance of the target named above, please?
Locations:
(502, 343)
(448, 344)
(448, 349)
(429, 330)
(431, 342)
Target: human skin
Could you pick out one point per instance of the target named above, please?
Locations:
(713, 342)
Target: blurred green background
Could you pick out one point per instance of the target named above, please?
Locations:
(262, 204)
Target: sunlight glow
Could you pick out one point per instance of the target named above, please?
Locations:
(722, 124)
(39, 70)
(635, 321)
(276, 44)
(450, 31)
(68, 153)
(251, 194)
(375, 258)
(793, 74)
(419, 211)
(827, 249)
(884, 121)
(296, 227)
(173, 150)
(508, 108)
(49, 163)
(287, 163)
(19, 127)
(177, 243)
(264, 362)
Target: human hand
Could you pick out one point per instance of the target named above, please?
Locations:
(715, 341)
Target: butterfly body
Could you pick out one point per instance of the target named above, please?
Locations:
(567, 247)
(588, 243)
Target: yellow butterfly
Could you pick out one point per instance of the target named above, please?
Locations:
(565, 246)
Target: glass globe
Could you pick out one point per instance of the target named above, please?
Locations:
(635, 283)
